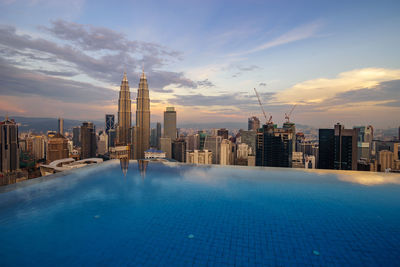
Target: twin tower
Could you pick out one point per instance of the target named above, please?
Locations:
(137, 138)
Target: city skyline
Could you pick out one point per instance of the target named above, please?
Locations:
(336, 63)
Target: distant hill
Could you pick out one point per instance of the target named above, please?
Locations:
(42, 125)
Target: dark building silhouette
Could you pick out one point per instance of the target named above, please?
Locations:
(153, 137)
(223, 133)
(253, 124)
(179, 150)
(76, 136)
(274, 146)
(9, 150)
(338, 148)
(158, 135)
(88, 140)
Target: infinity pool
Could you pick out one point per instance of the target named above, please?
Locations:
(178, 215)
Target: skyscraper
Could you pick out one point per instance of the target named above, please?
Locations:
(142, 133)
(153, 137)
(179, 150)
(274, 146)
(124, 113)
(339, 145)
(253, 124)
(228, 152)
(170, 123)
(213, 144)
(9, 152)
(76, 136)
(57, 148)
(158, 134)
(61, 126)
(110, 122)
(88, 140)
(223, 133)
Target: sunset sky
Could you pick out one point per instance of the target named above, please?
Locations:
(339, 61)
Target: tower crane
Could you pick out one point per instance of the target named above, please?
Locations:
(259, 102)
(287, 116)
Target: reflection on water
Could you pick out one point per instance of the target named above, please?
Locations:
(142, 166)
(124, 162)
(369, 178)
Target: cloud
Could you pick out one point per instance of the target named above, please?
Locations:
(20, 82)
(97, 52)
(300, 33)
(319, 91)
(205, 83)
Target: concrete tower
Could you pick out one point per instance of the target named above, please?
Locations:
(124, 113)
(142, 132)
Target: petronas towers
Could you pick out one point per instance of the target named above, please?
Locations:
(137, 137)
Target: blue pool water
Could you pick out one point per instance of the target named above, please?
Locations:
(180, 215)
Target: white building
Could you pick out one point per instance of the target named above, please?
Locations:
(154, 154)
(199, 157)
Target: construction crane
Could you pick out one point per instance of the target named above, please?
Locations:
(287, 116)
(259, 102)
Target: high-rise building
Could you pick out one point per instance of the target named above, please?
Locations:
(88, 140)
(249, 138)
(61, 126)
(142, 132)
(292, 127)
(153, 137)
(170, 123)
(338, 148)
(158, 134)
(223, 133)
(179, 150)
(124, 113)
(110, 122)
(274, 146)
(297, 160)
(9, 151)
(228, 152)
(386, 160)
(398, 137)
(57, 148)
(326, 149)
(253, 124)
(202, 138)
(102, 144)
(192, 142)
(76, 136)
(199, 157)
(166, 146)
(213, 144)
(37, 146)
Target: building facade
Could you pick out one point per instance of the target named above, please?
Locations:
(57, 148)
(9, 150)
(88, 140)
(170, 123)
(124, 113)
(179, 150)
(142, 132)
(253, 124)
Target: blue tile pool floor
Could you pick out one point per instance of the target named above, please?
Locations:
(183, 215)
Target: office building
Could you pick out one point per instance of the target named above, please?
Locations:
(37, 146)
(199, 157)
(124, 114)
(57, 148)
(228, 152)
(166, 146)
(386, 160)
(249, 138)
(192, 142)
(61, 126)
(213, 144)
(9, 150)
(153, 137)
(274, 146)
(297, 160)
(158, 129)
(76, 136)
(142, 130)
(102, 144)
(110, 122)
(338, 148)
(88, 140)
(112, 136)
(179, 150)
(253, 124)
(170, 123)
(223, 133)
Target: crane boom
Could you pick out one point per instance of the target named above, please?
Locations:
(287, 116)
(259, 102)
